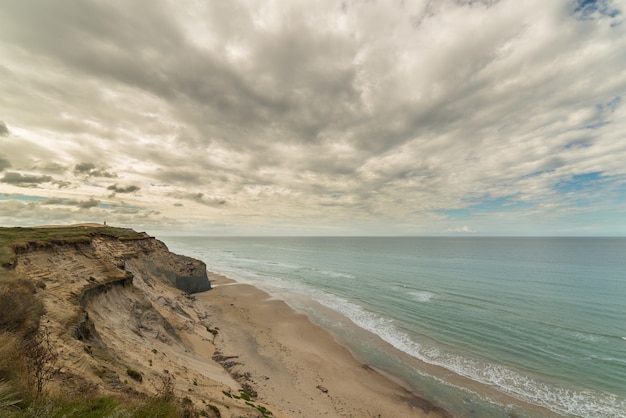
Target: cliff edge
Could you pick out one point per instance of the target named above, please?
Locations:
(112, 248)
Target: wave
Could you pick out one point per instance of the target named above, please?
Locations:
(421, 295)
(335, 274)
(609, 359)
(560, 400)
(594, 338)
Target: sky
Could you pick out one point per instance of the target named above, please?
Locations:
(294, 117)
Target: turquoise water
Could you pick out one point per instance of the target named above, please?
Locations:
(539, 320)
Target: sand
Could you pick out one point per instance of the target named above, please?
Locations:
(295, 365)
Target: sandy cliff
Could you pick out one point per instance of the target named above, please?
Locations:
(112, 305)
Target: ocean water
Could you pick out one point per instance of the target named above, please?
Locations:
(487, 327)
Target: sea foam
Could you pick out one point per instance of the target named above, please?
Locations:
(421, 296)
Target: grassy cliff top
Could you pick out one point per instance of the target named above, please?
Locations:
(18, 237)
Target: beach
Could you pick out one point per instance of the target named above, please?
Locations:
(295, 365)
(482, 327)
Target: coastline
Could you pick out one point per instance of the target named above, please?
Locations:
(295, 365)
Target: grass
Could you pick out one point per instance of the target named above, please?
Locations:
(15, 239)
(95, 407)
(246, 396)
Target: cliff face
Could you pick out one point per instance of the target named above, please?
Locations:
(151, 259)
(111, 305)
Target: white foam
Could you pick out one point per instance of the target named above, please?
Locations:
(335, 274)
(594, 338)
(421, 296)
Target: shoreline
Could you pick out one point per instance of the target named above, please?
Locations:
(297, 366)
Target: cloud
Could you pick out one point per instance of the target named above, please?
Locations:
(128, 189)
(82, 204)
(200, 198)
(88, 204)
(4, 131)
(90, 170)
(4, 163)
(57, 201)
(21, 180)
(403, 111)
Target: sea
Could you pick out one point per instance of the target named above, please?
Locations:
(485, 327)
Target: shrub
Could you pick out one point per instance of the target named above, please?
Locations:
(215, 410)
(40, 358)
(21, 309)
(135, 375)
(166, 391)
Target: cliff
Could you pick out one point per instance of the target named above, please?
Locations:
(115, 251)
(118, 310)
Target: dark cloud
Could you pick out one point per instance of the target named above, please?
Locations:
(53, 168)
(82, 204)
(90, 170)
(88, 204)
(200, 198)
(128, 189)
(57, 201)
(179, 175)
(84, 168)
(4, 131)
(4, 163)
(63, 184)
(21, 180)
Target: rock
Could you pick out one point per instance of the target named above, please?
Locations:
(322, 388)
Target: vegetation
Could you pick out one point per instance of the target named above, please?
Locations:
(40, 358)
(213, 331)
(247, 396)
(20, 310)
(13, 240)
(96, 407)
(134, 374)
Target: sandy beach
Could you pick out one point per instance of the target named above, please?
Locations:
(294, 364)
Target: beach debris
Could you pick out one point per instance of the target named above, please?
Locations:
(322, 389)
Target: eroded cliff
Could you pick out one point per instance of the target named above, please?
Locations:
(119, 311)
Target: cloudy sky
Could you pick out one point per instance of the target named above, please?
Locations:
(299, 117)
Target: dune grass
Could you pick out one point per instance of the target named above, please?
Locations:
(95, 407)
